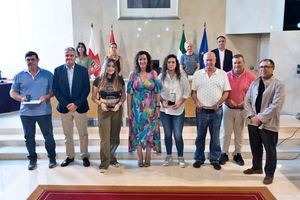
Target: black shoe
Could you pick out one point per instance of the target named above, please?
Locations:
(252, 171)
(217, 166)
(86, 162)
(32, 165)
(223, 159)
(238, 159)
(66, 162)
(197, 164)
(52, 163)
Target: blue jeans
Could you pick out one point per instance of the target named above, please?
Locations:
(45, 124)
(173, 124)
(208, 119)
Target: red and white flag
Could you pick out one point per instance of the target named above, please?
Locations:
(93, 54)
(111, 36)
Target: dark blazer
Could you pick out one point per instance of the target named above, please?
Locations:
(80, 88)
(227, 65)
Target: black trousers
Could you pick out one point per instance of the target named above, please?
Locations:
(260, 138)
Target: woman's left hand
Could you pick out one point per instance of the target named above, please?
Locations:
(117, 107)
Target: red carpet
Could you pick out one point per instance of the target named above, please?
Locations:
(60, 192)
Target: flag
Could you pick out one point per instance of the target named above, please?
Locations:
(93, 54)
(181, 49)
(203, 48)
(111, 36)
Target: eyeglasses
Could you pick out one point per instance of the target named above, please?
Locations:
(265, 67)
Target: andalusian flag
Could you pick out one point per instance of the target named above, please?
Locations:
(181, 49)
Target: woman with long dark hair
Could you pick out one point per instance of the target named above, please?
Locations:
(175, 90)
(143, 103)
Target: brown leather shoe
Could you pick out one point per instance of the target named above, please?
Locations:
(268, 180)
(252, 171)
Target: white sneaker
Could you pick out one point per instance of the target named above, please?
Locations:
(168, 160)
(181, 162)
(102, 170)
(115, 164)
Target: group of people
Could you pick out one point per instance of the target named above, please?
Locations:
(233, 97)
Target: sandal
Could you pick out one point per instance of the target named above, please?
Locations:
(140, 164)
(147, 164)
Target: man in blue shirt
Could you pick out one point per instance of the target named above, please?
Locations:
(33, 88)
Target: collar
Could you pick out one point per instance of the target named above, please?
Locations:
(68, 67)
(38, 71)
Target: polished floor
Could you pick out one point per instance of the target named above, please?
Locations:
(16, 182)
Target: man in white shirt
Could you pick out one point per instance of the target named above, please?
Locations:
(210, 88)
(223, 55)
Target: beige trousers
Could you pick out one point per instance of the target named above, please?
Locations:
(233, 121)
(80, 119)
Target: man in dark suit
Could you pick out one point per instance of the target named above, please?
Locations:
(223, 55)
(71, 87)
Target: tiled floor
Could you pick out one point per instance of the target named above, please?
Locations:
(16, 182)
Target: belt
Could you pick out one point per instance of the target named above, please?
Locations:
(210, 110)
(233, 108)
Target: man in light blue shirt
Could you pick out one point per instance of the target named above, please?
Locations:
(33, 88)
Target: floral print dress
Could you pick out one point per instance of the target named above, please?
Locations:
(144, 126)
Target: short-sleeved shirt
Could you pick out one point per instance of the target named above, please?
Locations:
(239, 85)
(35, 86)
(189, 63)
(210, 89)
(108, 93)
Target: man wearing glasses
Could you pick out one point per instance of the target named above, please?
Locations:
(263, 102)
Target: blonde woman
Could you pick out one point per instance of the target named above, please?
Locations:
(108, 93)
(113, 54)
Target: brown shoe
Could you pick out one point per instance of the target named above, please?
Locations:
(268, 180)
(252, 171)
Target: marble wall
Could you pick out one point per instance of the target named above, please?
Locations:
(159, 37)
(255, 31)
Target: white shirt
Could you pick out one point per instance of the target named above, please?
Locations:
(70, 72)
(181, 89)
(222, 55)
(210, 89)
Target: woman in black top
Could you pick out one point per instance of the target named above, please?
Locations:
(108, 93)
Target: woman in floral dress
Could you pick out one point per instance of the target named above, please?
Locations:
(143, 101)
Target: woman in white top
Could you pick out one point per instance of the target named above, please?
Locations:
(175, 90)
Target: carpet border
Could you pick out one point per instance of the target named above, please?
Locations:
(120, 188)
